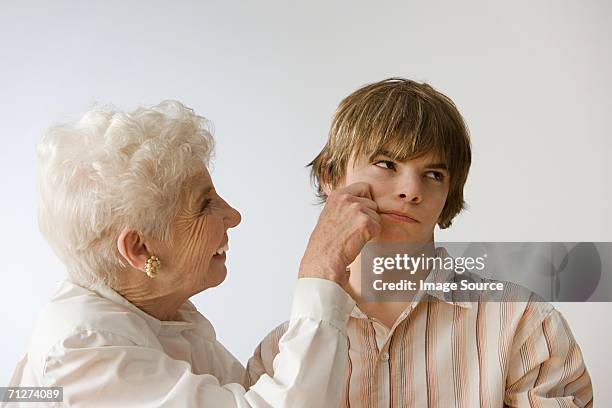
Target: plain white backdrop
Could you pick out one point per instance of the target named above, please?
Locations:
(532, 80)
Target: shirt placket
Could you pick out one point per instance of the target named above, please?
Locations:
(382, 337)
(383, 340)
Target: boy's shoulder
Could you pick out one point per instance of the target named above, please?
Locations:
(263, 357)
(269, 344)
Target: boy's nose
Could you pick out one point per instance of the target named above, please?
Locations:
(411, 191)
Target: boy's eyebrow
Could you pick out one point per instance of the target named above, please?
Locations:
(442, 166)
(383, 152)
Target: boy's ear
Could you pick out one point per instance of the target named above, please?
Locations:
(326, 189)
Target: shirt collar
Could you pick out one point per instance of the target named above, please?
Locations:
(442, 276)
(436, 276)
(187, 312)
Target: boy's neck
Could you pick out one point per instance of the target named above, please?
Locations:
(385, 311)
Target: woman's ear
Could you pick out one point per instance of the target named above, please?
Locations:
(132, 248)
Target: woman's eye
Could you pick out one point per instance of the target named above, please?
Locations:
(436, 175)
(385, 164)
(205, 205)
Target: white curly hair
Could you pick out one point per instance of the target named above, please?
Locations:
(112, 170)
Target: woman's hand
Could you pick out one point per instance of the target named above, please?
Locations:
(348, 221)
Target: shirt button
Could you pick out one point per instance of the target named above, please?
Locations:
(384, 356)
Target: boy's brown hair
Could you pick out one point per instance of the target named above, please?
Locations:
(404, 118)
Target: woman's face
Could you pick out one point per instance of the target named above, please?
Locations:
(410, 195)
(196, 256)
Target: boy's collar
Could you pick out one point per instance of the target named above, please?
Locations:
(435, 276)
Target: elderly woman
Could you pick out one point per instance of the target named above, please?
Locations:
(128, 205)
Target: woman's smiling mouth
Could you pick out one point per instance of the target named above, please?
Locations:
(220, 252)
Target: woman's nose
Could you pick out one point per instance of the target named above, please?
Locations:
(232, 217)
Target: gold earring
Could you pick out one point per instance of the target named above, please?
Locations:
(152, 266)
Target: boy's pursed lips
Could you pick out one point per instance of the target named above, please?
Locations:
(399, 215)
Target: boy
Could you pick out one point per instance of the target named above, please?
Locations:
(410, 144)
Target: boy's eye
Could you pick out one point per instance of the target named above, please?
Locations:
(385, 164)
(436, 175)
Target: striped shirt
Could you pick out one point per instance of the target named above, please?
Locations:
(447, 353)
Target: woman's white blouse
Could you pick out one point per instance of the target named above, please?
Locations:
(104, 351)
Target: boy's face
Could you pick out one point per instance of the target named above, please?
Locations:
(410, 195)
